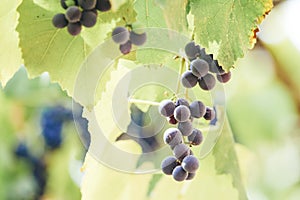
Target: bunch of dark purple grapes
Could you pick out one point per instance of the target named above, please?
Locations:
(79, 13)
(202, 67)
(126, 38)
(183, 165)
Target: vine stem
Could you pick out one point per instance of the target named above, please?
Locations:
(180, 73)
(140, 101)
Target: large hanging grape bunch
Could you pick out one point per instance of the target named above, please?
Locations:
(79, 13)
(182, 165)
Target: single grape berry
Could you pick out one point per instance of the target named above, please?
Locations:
(103, 5)
(168, 165)
(199, 67)
(126, 48)
(190, 164)
(196, 137)
(59, 20)
(120, 35)
(188, 79)
(207, 57)
(190, 176)
(182, 101)
(172, 137)
(207, 82)
(73, 14)
(186, 128)
(216, 68)
(137, 39)
(22, 150)
(74, 28)
(210, 114)
(198, 109)
(172, 120)
(191, 50)
(181, 151)
(87, 4)
(88, 18)
(179, 174)
(224, 78)
(182, 113)
(166, 108)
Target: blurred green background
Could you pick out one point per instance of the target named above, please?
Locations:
(263, 107)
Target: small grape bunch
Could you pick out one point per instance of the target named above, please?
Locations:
(126, 38)
(183, 164)
(79, 13)
(202, 67)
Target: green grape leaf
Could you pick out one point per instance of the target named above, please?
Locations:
(227, 28)
(178, 21)
(226, 159)
(217, 178)
(149, 13)
(155, 179)
(10, 54)
(55, 51)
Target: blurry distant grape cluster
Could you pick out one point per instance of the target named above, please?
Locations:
(40, 131)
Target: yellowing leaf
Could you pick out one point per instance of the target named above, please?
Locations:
(226, 27)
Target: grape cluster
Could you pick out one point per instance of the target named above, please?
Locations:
(52, 120)
(38, 166)
(126, 38)
(183, 165)
(79, 13)
(202, 67)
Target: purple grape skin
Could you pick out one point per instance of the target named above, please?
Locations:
(126, 48)
(87, 4)
(168, 165)
(207, 82)
(73, 14)
(188, 79)
(103, 5)
(88, 18)
(137, 39)
(191, 50)
(198, 109)
(59, 20)
(210, 114)
(166, 108)
(182, 113)
(179, 174)
(186, 128)
(180, 151)
(74, 28)
(190, 164)
(120, 35)
(172, 120)
(196, 137)
(182, 101)
(172, 137)
(224, 78)
(199, 67)
(190, 176)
